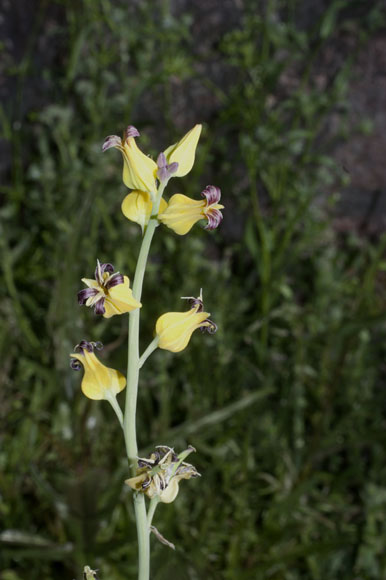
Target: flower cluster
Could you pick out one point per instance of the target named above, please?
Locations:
(109, 292)
(160, 474)
(140, 173)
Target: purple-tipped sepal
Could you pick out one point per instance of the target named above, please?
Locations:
(80, 348)
(214, 217)
(212, 194)
(84, 295)
(99, 307)
(111, 141)
(211, 328)
(114, 280)
(131, 131)
(212, 211)
(197, 303)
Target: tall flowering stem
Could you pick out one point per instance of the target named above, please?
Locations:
(109, 294)
(129, 422)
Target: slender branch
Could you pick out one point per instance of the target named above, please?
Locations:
(115, 405)
(152, 507)
(151, 348)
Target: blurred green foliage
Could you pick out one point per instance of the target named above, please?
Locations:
(286, 404)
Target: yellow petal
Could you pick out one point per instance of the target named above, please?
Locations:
(174, 329)
(98, 379)
(137, 207)
(184, 151)
(182, 213)
(169, 494)
(135, 482)
(139, 171)
(120, 299)
(90, 282)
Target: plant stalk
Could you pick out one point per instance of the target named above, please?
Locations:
(133, 366)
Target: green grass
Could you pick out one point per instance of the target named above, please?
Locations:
(285, 404)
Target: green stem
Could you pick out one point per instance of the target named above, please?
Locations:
(115, 405)
(143, 534)
(129, 426)
(151, 348)
(152, 507)
(129, 419)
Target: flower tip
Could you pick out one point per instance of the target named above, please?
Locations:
(211, 328)
(74, 363)
(131, 131)
(111, 141)
(161, 160)
(212, 194)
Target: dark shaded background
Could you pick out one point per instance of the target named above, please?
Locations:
(286, 403)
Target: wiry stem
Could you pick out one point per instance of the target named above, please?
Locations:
(151, 348)
(153, 506)
(133, 366)
(115, 405)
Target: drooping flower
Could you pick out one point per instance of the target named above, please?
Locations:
(184, 152)
(174, 329)
(99, 382)
(137, 207)
(139, 170)
(182, 212)
(109, 293)
(160, 474)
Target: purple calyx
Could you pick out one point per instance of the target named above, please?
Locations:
(80, 348)
(214, 217)
(89, 346)
(111, 141)
(165, 170)
(131, 131)
(212, 194)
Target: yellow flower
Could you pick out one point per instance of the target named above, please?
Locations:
(160, 474)
(137, 207)
(182, 212)
(99, 382)
(109, 293)
(139, 171)
(184, 152)
(174, 329)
